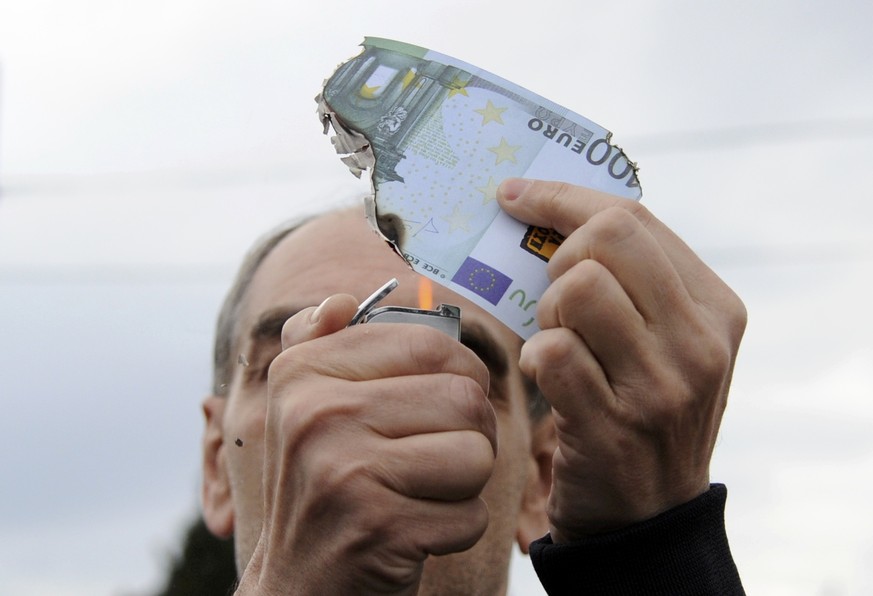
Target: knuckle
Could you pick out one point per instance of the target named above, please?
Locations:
(475, 517)
(737, 318)
(428, 348)
(554, 197)
(612, 226)
(296, 416)
(467, 524)
(289, 332)
(344, 477)
(561, 262)
(639, 211)
(471, 400)
(582, 284)
(461, 528)
(714, 359)
(477, 372)
(315, 414)
(433, 352)
(697, 387)
(553, 350)
(385, 570)
(710, 354)
(688, 390)
(286, 367)
(586, 278)
(476, 458)
(561, 194)
(727, 309)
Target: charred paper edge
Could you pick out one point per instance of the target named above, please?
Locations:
(357, 153)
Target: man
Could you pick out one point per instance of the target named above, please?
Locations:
(392, 459)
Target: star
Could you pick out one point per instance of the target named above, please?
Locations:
(489, 191)
(504, 151)
(458, 87)
(458, 220)
(491, 113)
(369, 92)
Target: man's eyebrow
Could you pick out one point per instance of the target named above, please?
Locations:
(480, 340)
(269, 324)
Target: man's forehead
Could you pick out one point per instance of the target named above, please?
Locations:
(338, 243)
(339, 253)
(334, 253)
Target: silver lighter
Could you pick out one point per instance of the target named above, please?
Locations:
(445, 317)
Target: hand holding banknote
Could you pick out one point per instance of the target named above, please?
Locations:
(635, 356)
(629, 337)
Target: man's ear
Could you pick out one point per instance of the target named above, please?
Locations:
(533, 521)
(216, 494)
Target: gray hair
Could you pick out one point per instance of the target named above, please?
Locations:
(226, 328)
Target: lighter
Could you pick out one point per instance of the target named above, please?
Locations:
(445, 317)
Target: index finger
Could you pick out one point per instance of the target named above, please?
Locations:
(564, 207)
(367, 352)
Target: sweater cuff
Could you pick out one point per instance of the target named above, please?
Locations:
(683, 551)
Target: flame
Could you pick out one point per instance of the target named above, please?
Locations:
(425, 293)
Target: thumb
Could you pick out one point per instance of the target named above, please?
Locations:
(557, 205)
(328, 317)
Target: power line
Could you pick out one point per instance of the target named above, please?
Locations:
(800, 255)
(712, 139)
(88, 274)
(748, 135)
(147, 274)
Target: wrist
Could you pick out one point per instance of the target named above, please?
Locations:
(569, 522)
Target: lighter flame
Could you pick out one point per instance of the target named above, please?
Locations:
(425, 293)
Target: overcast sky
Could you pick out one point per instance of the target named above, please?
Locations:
(144, 146)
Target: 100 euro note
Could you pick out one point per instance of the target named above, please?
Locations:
(438, 136)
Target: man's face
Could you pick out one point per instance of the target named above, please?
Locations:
(338, 253)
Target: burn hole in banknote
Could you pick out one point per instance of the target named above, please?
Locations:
(391, 227)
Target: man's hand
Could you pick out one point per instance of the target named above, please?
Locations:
(379, 439)
(635, 356)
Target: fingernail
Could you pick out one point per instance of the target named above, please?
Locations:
(512, 188)
(316, 314)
